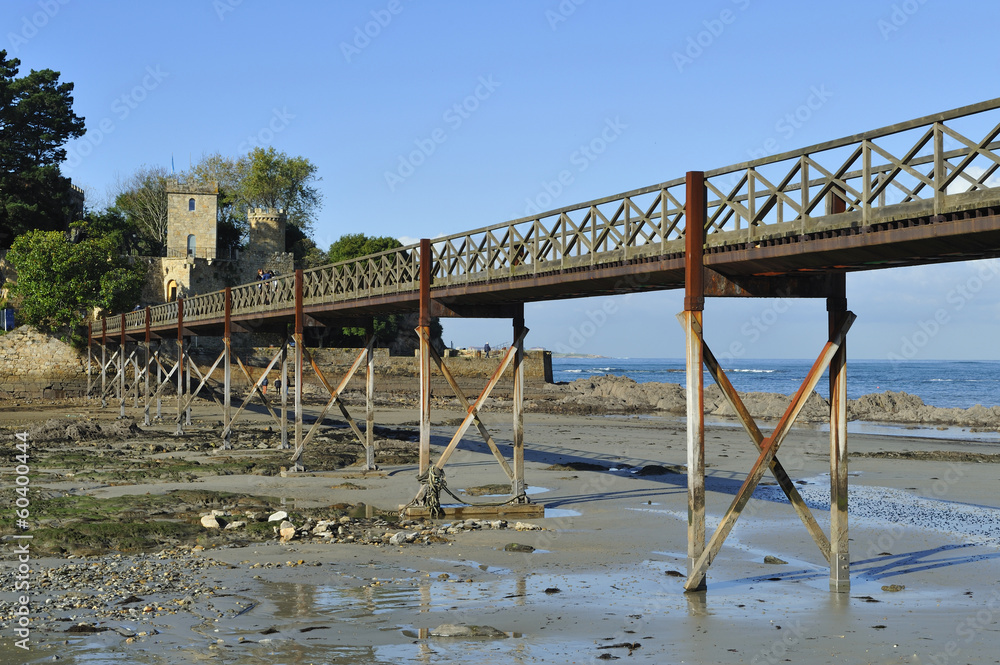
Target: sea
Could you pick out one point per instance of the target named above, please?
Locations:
(943, 383)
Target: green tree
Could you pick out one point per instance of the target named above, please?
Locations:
(388, 329)
(58, 281)
(275, 180)
(36, 120)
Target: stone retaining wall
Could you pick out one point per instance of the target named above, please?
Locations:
(33, 364)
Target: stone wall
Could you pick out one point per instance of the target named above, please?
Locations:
(196, 219)
(33, 364)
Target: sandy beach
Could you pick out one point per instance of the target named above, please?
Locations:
(604, 581)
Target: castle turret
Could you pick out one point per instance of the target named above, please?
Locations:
(267, 230)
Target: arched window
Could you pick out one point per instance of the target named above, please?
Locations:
(191, 245)
(171, 291)
(190, 205)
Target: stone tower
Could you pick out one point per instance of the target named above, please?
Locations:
(267, 230)
(192, 211)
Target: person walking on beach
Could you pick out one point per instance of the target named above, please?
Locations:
(486, 349)
(263, 385)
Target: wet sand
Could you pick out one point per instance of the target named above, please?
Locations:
(601, 582)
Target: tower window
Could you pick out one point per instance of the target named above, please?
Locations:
(191, 245)
(190, 205)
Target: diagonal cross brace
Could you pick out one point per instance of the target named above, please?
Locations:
(335, 396)
(255, 390)
(204, 379)
(798, 503)
(769, 448)
(463, 400)
(473, 411)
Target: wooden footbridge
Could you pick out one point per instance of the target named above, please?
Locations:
(789, 225)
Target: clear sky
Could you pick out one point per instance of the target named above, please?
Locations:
(501, 96)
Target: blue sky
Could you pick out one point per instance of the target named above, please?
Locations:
(358, 86)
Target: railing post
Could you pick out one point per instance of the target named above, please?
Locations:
(939, 174)
(425, 354)
(866, 185)
(695, 208)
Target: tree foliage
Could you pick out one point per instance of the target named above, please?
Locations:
(58, 281)
(142, 199)
(36, 120)
(263, 178)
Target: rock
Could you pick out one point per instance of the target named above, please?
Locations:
(238, 524)
(461, 630)
(518, 547)
(211, 522)
(774, 560)
(278, 516)
(287, 534)
(526, 526)
(893, 587)
(397, 538)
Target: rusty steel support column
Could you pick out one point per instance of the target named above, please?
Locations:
(425, 355)
(227, 371)
(518, 487)
(180, 367)
(694, 305)
(283, 392)
(122, 362)
(145, 357)
(159, 381)
(370, 398)
(104, 362)
(299, 342)
(840, 563)
(90, 354)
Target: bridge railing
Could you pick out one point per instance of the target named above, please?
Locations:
(932, 165)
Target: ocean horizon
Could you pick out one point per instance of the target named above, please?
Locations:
(942, 383)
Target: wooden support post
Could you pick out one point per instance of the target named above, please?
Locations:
(370, 398)
(180, 367)
(694, 305)
(518, 488)
(425, 355)
(104, 362)
(145, 357)
(840, 565)
(283, 392)
(299, 343)
(227, 372)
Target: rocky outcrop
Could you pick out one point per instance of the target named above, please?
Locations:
(617, 394)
